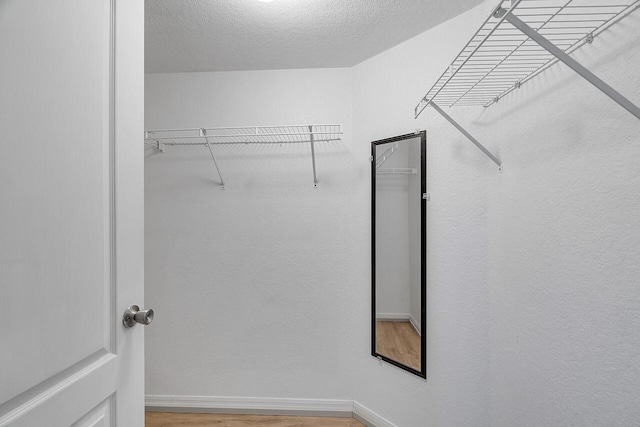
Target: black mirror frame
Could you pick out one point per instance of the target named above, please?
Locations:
(423, 244)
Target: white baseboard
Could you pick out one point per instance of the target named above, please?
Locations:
(400, 317)
(266, 406)
(250, 405)
(393, 317)
(369, 418)
(415, 324)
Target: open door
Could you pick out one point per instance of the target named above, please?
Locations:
(71, 212)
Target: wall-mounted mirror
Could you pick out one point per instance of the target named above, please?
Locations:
(398, 216)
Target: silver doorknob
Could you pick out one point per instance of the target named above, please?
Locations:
(134, 315)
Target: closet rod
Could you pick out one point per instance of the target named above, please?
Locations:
(397, 171)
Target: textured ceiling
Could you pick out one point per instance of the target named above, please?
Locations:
(217, 35)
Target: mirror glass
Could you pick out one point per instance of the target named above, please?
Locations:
(399, 251)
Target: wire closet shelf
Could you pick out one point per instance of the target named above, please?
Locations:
(212, 136)
(286, 134)
(500, 57)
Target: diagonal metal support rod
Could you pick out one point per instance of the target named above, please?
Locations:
(467, 134)
(569, 61)
(203, 132)
(313, 156)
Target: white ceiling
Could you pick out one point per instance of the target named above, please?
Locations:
(220, 35)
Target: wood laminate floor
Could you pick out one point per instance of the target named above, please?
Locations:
(166, 419)
(398, 341)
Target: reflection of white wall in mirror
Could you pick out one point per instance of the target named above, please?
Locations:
(415, 247)
(392, 237)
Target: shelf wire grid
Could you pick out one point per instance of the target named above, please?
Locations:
(500, 58)
(286, 134)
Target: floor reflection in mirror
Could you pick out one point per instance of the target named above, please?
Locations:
(398, 341)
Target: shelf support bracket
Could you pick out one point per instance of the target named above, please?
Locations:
(203, 133)
(313, 156)
(155, 146)
(572, 63)
(466, 134)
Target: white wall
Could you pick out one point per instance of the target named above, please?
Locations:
(533, 301)
(386, 88)
(253, 286)
(533, 271)
(565, 244)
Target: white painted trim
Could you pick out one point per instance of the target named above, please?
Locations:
(399, 317)
(369, 418)
(250, 405)
(267, 406)
(393, 317)
(415, 324)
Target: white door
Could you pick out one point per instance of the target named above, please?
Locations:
(71, 212)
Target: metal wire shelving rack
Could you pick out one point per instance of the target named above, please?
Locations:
(386, 155)
(518, 41)
(210, 137)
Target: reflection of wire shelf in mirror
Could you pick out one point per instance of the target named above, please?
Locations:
(519, 40)
(209, 137)
(386, 155)
(397, 171)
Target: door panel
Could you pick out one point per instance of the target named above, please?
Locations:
(54, 206)
(66, 246)
(99, 417)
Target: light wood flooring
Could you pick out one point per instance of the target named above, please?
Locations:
(398, 341)
(165, 419)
